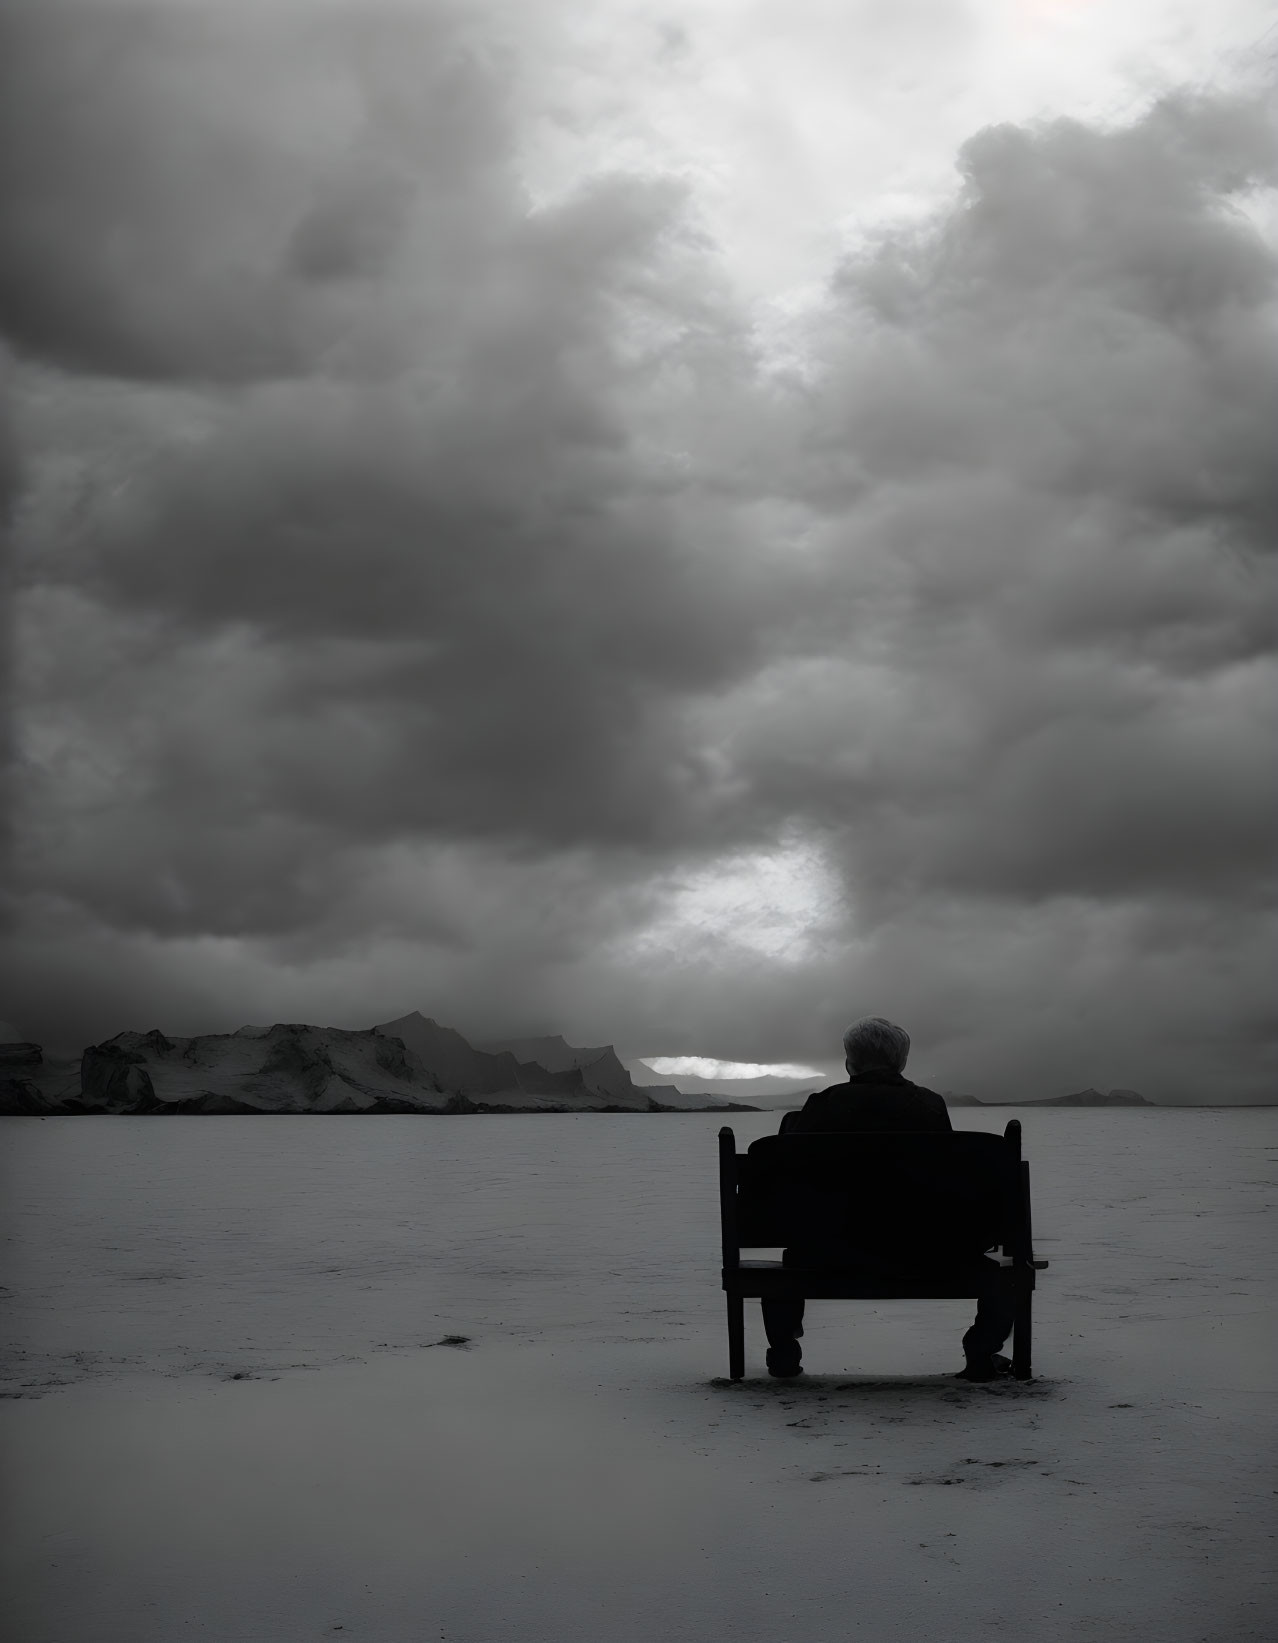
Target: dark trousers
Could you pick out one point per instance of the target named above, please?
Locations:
(995, 1311)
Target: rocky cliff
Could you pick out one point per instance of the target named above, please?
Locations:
(497, 1075)
(33, 1083)
(597, 1066)
(288, 1068)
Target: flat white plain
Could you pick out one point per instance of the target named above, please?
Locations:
(225, 1417)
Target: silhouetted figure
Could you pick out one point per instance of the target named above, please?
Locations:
(877, 1096)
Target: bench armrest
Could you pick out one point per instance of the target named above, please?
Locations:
(728, 1199)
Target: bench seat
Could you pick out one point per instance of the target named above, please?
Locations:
(771, 1280)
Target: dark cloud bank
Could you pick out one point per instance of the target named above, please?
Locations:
(413, 589)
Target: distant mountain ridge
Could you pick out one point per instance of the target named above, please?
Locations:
(466, 1070)
(410, 1065)
(1080, 1098)
(597, 1067)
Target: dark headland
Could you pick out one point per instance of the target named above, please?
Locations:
(410, 1065)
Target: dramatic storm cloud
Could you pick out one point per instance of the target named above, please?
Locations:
(447, 577)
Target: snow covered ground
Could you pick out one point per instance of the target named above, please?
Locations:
(225, 1417)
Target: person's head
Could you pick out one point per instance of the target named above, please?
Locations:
(873, 1042)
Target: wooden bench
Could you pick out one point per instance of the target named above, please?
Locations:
(928, 1204)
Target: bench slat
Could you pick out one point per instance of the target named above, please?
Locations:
(771, 1280)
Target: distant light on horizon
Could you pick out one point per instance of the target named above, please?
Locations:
(702, 1066)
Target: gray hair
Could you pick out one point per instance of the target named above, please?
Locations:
(874, 1042)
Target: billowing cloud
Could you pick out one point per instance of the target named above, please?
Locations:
(431, 599)
(192, 191)
(1051, 409)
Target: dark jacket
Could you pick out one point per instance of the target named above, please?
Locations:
(874, 1100)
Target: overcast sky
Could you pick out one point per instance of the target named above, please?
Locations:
(679, 525)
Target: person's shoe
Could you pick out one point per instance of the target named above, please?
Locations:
(990, 1368)
(784, 1364)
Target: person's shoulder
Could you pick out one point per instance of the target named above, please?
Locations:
(823, 1098)
(819, 1104)
(929, 1102)
(922, 1089)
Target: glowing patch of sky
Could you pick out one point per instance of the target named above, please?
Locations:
(797, 127)
(776, 903)
(701, 1066)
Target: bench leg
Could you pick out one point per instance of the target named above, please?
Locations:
(1022, 1333)
(736, 1337)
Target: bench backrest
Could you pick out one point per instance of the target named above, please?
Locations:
(904, 1193)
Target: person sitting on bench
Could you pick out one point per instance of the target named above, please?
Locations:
(877, 1096)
